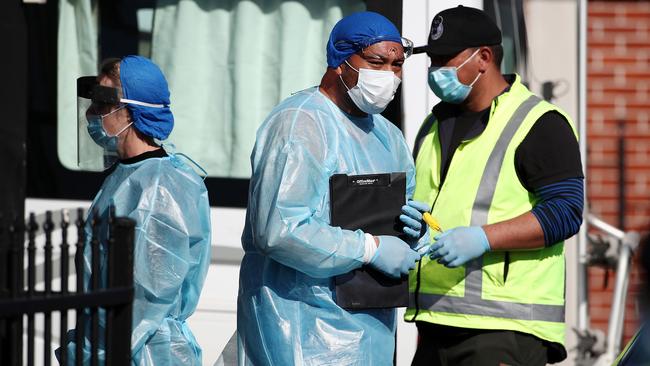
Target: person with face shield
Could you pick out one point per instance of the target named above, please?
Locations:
(286, 312)
(124, 114)
(500, 171)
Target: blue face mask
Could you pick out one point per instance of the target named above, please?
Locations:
(98, 133)
(444, 83)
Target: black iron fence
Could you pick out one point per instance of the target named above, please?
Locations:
(26, 289)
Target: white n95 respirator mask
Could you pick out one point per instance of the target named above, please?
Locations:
(374, 89)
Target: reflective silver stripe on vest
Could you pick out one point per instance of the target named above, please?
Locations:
(493, 308)
(472, 303)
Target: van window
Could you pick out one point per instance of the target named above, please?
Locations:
(228, 63)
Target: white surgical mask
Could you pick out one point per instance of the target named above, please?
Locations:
(374, 89)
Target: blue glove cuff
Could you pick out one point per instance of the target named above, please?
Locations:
(484, 241)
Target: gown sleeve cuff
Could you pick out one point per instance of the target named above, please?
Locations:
(370, 248)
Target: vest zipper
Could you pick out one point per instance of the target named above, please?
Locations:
(506, 266)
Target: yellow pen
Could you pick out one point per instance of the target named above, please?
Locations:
(431, 222)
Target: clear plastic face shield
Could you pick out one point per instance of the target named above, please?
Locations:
(96, 149)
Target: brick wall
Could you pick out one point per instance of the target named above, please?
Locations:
(619, 92)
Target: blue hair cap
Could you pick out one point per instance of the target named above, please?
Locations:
(356, 32)
(143, 81)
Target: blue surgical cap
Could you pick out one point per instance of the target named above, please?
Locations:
(142, 81)
(356, 32)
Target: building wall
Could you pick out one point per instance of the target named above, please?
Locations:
(618, 95)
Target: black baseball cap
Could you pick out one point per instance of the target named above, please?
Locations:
(459, 28)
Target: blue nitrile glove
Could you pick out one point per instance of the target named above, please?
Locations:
(394, 257)
(416, 230)
(460, 245)
(414, 226)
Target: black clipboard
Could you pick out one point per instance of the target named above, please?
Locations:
(372, 203)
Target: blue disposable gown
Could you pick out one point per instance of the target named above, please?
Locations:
(169, 203)
(285, 311)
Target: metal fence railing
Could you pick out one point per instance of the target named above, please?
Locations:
(28, 273)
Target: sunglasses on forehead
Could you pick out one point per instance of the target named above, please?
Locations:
(407, 44)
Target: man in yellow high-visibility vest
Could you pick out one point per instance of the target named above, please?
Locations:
(500, 171)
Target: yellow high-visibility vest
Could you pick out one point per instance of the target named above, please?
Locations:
(481, 187)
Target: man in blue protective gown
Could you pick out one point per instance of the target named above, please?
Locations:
(286, 314)
(127, 117)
